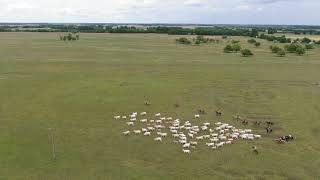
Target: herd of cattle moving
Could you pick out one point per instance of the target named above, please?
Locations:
(188, 135)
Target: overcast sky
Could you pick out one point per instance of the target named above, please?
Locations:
(163, 11)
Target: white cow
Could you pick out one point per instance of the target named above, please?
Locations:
(158, 139)
(187, 151)
(199, 137)
(143, 113)
(126, 133)
(130, 123)
(147, 133)
(186, 145)
(175, 135)
(137, 131)
(197, 116)
(143, 120)
(117, 117)
(193, 143)
(158, 114)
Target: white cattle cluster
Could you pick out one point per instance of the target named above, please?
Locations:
(214, 135)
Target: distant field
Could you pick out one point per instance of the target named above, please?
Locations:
(76, 88)
(300, 36)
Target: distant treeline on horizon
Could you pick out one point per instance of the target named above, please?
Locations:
(173, 29)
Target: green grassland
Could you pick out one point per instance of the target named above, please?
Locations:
(77, 87)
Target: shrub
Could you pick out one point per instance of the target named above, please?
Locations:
(292, 48)
(257, 44)
(235, 41)
(252, 41)
(246, 52)
(281, 53)
(300, 51)
(228, 49)
(183, 40)
(309, 46)
(275, 49)
(236, 47)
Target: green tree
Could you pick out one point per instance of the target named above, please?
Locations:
(300, 51)
(281, 53)
(236, 47)
(228, 49)
(275, 49)
(246, 52)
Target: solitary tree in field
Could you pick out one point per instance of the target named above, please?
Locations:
(246, 52)
(281, 53)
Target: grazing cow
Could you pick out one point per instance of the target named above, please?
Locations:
(218, 113)
(187, 151)
(132, 116)
(245, 122)
(116, 117)
(270, 123)
(124, 117)
(126, 133)
(175, 135)
(147, 133)
(190, 135)
(193, 143)
(158, 139)
(206, 136)
(158, 115)
(163, 134)
(147, 103)
(201, 111)
(137, 131)
(186, 145)
(199, 137)
(197, 116)
(237, 117)
(130, 123)
(255, 149)
(257, 136)
(143, 120)
(269, 129)
(143, 113)
(257, 123)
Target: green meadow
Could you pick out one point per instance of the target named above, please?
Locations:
(71, 90)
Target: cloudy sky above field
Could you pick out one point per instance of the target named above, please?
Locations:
(163, 11)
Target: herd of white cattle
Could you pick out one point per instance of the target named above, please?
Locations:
(189, 136)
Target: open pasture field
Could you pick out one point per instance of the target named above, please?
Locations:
(77, 87)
